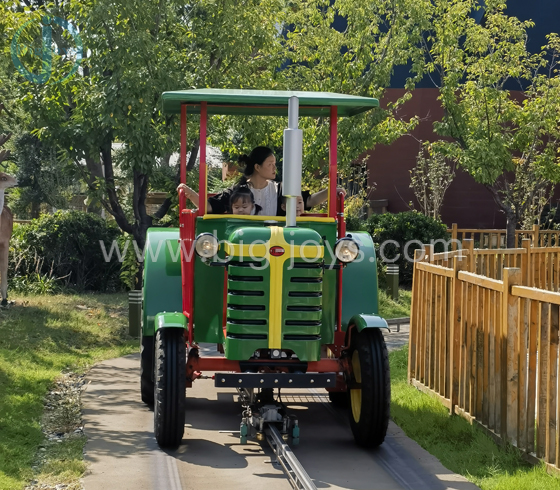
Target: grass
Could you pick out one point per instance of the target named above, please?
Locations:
(395, 309)
(40, 337)
(461, 447)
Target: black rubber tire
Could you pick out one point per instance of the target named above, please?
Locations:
(339, 399)
(370, 427)
(170, 386)
(147, 369)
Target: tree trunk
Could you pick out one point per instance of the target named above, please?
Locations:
(140, 237)
(115, 207)
(95, 172)
(511, 216)
(162, 211)
(194, 154)
(139, 276)
(510, 229)
(143, 220)
(35, 209)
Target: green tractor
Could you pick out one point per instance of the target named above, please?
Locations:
(291, 302)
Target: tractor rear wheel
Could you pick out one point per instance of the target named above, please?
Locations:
(147, 369)
(370, 388)
(170, 386)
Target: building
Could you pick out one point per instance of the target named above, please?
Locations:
(466, 203)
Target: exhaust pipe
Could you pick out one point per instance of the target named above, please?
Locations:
(292, 159)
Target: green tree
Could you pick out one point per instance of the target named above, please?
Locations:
(380, 35)
(41, 177)
(506, 140)
(430, 179)
(133, 52)
(136, 50)
(13, 119)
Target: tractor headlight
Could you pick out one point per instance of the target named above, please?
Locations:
(346, 250)
(206, 245)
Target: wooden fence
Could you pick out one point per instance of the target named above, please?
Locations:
(488, 348)
(540, 266)
(497, 238)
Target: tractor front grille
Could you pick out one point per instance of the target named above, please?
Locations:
(247, 301)
(303, 298)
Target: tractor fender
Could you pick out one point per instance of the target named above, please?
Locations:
(161, 289)
(363, 320)
(170, 320)
(359, 281)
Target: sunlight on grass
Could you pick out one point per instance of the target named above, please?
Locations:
(39, 338)
(395, 309)
(460, 447)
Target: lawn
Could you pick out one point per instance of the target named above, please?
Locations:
(395, 309)
(460, 447)
(43, 336)
(40, 337)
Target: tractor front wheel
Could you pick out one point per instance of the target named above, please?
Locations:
(370, 388)
(170, 386)
(147, 370)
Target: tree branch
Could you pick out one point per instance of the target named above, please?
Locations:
(497, 199)
(164, 208)
(118, 212)
(194, 154)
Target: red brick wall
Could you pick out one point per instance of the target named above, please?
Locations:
(466, 203)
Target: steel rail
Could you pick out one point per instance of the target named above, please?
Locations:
(297, 475)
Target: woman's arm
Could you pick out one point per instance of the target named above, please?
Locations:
(321, 196)
(193, 196)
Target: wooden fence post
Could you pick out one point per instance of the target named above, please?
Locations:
(459, 264)
(429, 253)
(454, 236)
(526, 263)
(414, 323)
(468, 244)
(536, 240)
(509, 373)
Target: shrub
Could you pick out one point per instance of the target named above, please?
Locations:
(404, 228)
(65, 247)
(354, 223)
(130, 267)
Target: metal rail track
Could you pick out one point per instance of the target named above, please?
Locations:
(295, 472)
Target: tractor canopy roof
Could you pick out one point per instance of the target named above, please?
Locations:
(240, 102)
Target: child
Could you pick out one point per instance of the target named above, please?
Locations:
(300, 205)
(242, 201)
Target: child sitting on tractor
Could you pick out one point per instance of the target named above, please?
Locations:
(242, 201)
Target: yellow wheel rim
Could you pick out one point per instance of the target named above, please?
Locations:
(356, 393)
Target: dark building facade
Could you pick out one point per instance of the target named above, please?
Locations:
(466, 203)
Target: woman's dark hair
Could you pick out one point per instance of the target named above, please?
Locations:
(256, 157)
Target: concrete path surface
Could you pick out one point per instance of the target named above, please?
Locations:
(122, 454)
(395, 340)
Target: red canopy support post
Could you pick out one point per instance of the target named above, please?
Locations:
(202, 192)
(186, 233)
(340, 216)
(182, 197)
(332, 162)
(341, 234)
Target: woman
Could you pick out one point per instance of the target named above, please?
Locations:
(259, 175)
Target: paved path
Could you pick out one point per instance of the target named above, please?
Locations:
(395, 340)
(122, 454)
